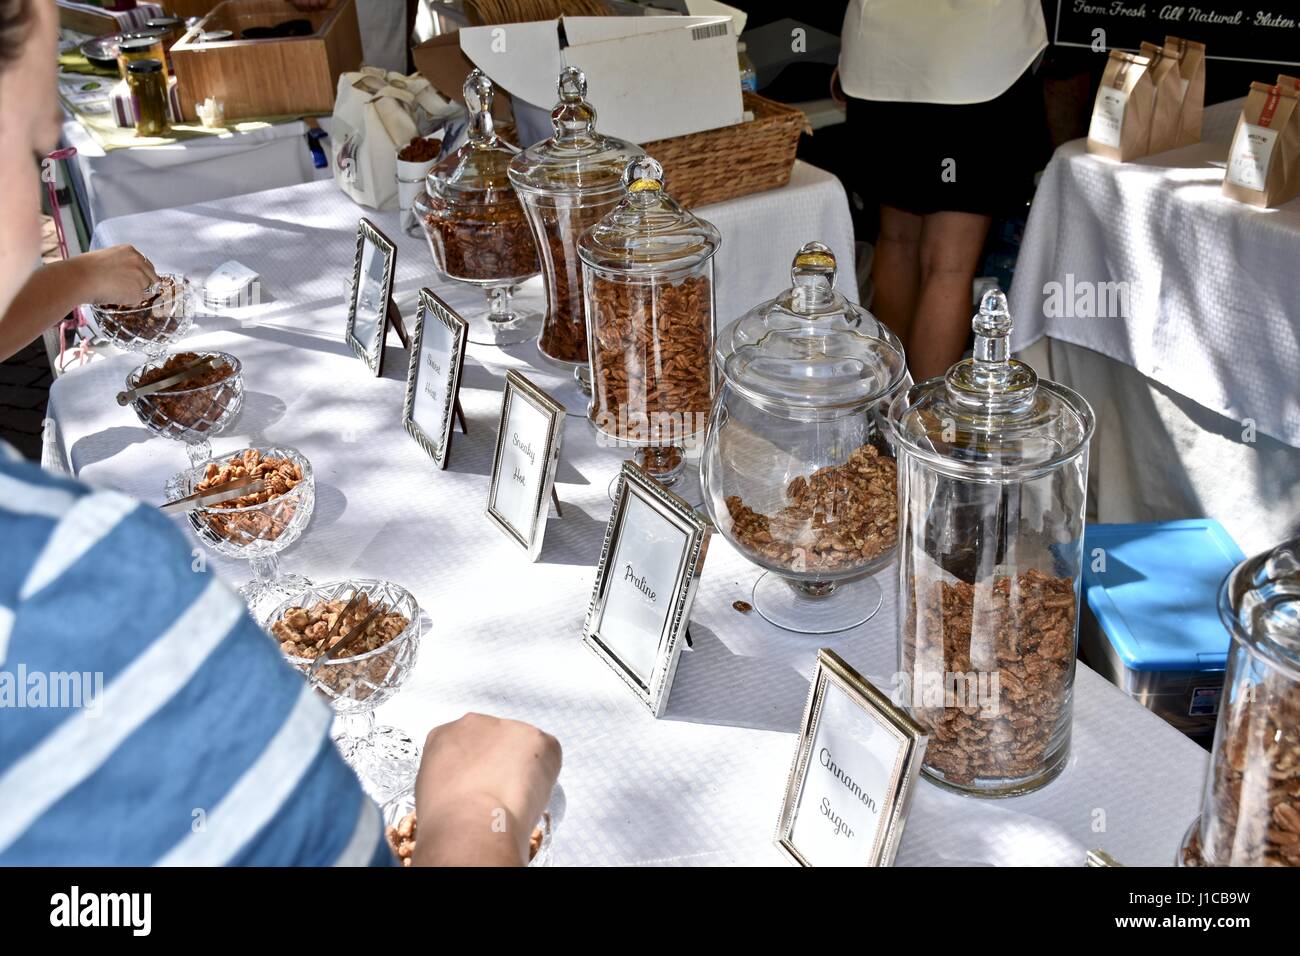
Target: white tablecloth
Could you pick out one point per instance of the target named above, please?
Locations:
(1214, 284)
(704, 784)
(135, 180)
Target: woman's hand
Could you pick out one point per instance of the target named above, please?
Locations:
(482, 787)
(116, 275)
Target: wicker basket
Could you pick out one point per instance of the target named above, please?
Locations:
(718, 164)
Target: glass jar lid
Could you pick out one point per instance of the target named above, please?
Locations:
(576, 159)
(1259, 603)
(990, 415)
(810, 347)
(648, 232)
(475, 173)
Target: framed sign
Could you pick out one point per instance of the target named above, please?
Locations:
(646, 581)
(854, 772)
(523, 465)
(433, 377)
(372, 292)
(1266, 33)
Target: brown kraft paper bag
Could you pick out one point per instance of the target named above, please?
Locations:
(1121, 114)
(1191, 67)
(1166, 111)
(1265, 148)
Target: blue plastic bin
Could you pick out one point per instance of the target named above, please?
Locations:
(1151, 625)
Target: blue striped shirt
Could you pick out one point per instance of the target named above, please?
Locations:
(144, 717)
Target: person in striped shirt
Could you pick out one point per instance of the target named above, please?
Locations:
(144, 717)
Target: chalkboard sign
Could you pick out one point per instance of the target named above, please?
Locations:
(1267, 31)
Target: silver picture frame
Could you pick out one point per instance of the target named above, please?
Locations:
(833, 675)
(518, 388)
(652, 689)
(433, 309)
(372, 355)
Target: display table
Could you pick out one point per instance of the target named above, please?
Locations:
(702, 785)
(1197, 325)
(125, 181)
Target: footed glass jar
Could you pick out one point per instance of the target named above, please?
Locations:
(475, 225)
(798, 464)
(568, 183)
(1251, 812)
(992, 479)
(647, 271)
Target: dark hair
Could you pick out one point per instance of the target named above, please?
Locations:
(15, 18)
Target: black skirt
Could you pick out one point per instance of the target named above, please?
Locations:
(933, 157)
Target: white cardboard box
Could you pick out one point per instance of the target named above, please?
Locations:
(649, 78)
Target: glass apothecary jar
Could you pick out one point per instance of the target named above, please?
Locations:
(1251, 812)
(647, 273)
(568, 183)
(992, 473)
(798, 466)
(475, 225)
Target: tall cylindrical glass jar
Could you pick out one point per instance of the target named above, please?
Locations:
(992, 479)
(475, 225)
(798, 465)
(647, 272)
(1251, 811)
(568, 183)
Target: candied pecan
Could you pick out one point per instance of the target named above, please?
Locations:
(839, 518)
(420, 150)
(557, 228)
(481, 242)
(280, 474)
(151, 317)
(199, 405)
(402, 839)
(1252, 811)
(1020, 629)
(651, 369)
(301, 631)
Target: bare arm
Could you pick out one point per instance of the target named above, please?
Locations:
(482, 786)
(116, 274)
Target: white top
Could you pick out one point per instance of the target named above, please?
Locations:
(938, 51)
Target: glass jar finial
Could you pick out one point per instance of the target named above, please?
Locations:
(478, 99)
(812, 274)
(573, 116)
(991, 377)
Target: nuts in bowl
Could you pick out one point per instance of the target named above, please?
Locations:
(259, 523)
(163, 315)
(195, 409)
(371, 668)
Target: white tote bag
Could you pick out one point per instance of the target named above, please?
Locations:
(375, 114)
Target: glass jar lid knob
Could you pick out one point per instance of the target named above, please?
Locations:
(644, 179)
(573, 116)
(812, 275)
(990, 378)
(478, 98)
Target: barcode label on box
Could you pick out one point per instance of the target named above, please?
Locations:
(711, 30)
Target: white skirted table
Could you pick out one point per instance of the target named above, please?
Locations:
(1175, 311)
(703, 784)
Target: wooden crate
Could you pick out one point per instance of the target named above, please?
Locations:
(188, 8)
(270, 77)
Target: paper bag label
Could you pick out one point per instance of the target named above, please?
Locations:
(1251, 153)
(1108, 117)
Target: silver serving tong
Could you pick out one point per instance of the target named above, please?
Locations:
(185, 374)
(205, 499)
